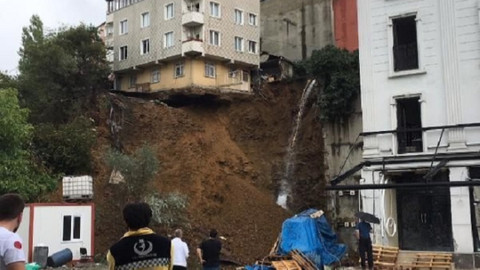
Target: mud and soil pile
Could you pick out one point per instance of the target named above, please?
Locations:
(227, 157)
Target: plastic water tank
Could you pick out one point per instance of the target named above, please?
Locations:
(40, 255)
(60, 258)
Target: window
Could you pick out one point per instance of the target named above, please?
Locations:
(215, 38)
(215, 9)
(245, 76)
(238, 44)
(252, 46)
(145, 46)
(179, 67)
(409, 119)
(133, 81)
(210, 70)
(238, 17)
(169, 11)
(252, 19)
(405, 49)
(145, 20)
(123, 27)
(123, 53)
(155, 76)
(168, 40)
(109, 29)
(71, 228)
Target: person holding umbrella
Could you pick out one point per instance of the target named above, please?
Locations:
(362, 232)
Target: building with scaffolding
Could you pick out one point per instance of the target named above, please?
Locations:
(160, 45)
(421, 122)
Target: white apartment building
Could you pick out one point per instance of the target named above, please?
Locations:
(172, 44)
(420, 91)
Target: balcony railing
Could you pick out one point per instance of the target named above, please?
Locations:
(192, 18)
(192, 46)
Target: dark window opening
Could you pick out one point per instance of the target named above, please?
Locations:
(408, 120)
(76, 228)
(67, 228)
(405, 50)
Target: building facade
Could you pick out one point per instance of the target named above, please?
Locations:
(420, 78)
(171, 44)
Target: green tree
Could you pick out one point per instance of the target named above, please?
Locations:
(339, 73)
(168, 209)
(65, 148)
(138, 169)
(18, 172)
(60, 73)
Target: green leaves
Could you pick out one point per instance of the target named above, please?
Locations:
(338, 69)
(168, 209)
(137, 169)
(18, 172)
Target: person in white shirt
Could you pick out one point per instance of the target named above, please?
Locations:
(12, 256)
(180, 251)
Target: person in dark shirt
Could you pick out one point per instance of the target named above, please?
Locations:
(362, 232)
(140, 247)
(209, 252)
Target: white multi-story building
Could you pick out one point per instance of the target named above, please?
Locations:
(420, 90)
(172, 44)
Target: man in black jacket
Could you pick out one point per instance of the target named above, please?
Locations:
(140, 247)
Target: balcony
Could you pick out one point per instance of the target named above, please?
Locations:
(192, 47)
(192, 18)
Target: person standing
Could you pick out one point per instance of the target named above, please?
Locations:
(140, 247)
(362, 232)
(209, 252)
(180, 251)
(12, 256)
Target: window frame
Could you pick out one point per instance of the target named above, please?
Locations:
(255, 46)
(121, 29)
(219, 9)
(218, 34)
(142, 52)
(242, 20)
(242, 47)
(155, 72)
(109, 29)
(165, 43)
(132, 81)
(71, 230)
(180, 65)
(391, 65)
(254, 16)
(121, 56)
(210, 66)
(166, 13)
(142, 20)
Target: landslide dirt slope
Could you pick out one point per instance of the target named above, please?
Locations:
(227, 158)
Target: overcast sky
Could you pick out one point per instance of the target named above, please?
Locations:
(15, 14)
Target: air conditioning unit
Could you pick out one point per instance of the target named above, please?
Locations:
(77, 187)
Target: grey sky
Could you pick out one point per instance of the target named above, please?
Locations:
(15, 14)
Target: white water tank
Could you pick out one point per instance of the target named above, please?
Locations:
(77, 187)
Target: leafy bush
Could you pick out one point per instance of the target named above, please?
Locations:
(338, 71)
(137, 169)
(168, 209)
(18, 172)
(65, 148)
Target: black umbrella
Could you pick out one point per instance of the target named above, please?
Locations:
(368, 217)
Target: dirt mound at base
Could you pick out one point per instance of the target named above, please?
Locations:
(227, 158)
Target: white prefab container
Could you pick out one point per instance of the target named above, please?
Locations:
(58, 226)
(77, 187)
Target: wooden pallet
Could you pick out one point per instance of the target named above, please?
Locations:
(384, 257)
(303, 260)
(429, 260)
(286, 265)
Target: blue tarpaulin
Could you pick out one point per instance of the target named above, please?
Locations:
(313, 237)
